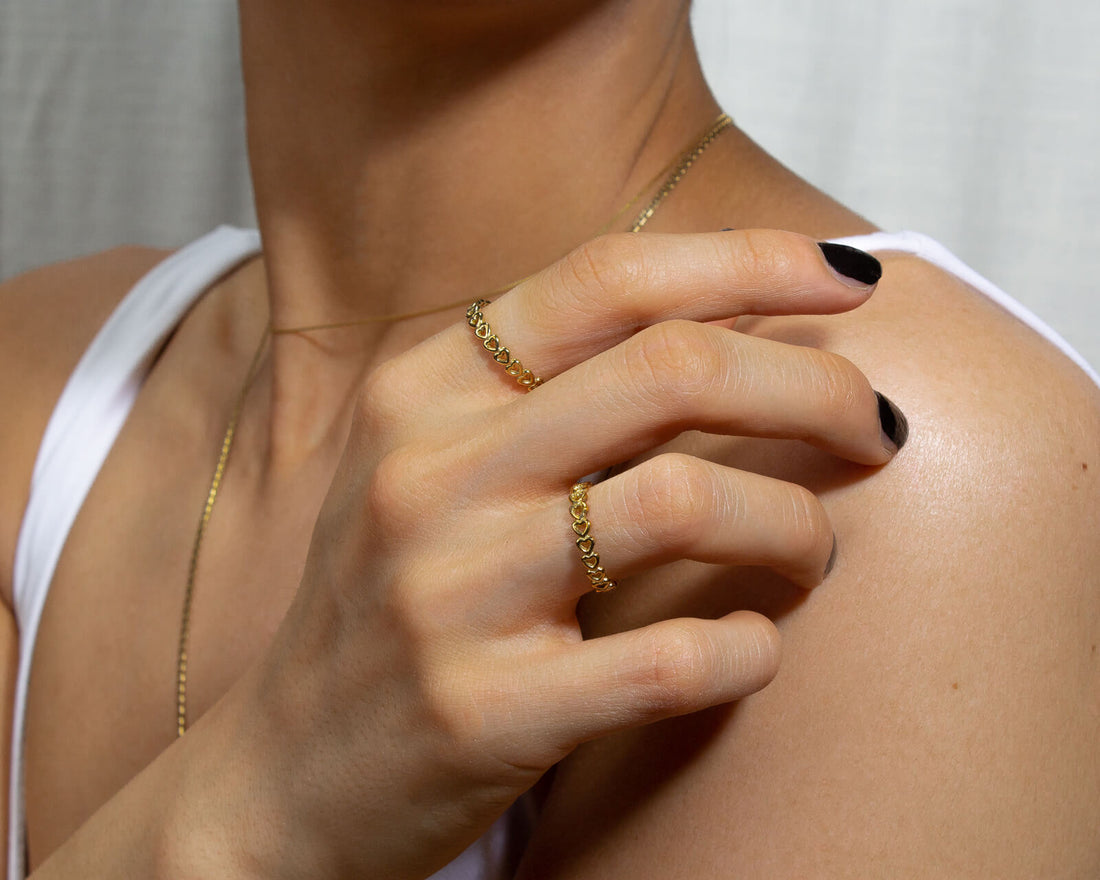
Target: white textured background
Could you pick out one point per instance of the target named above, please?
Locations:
(976, 121)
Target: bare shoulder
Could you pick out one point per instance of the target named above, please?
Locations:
(937, 713)
(47, 318)
(51, 313)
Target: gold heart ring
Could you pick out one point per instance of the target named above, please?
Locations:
(590, 559)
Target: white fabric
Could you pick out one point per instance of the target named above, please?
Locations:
(88, 416)
(97, 400)
(932, 251)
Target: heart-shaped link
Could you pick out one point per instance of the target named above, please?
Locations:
(492, 344)
(590, 559)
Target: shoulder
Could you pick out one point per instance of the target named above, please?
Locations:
(1005, 428)
(52, 312)
(47, 318)
(974, 381)
(935, 713)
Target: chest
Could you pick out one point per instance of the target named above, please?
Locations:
(102, 698)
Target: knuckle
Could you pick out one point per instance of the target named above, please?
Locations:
(766, 257)
(455, 702)
(674, 356)
(379, 403)
(393, 496)
(418, 489)
(606, 267)
(804, 522)
(677, 493)
(839, 385)
(676, 668)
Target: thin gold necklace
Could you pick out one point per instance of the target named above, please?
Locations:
(672, 173)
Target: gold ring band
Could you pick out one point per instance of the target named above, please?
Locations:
(582, 528)
(492, 344)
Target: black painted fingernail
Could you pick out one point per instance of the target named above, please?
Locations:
(727, 229)
(832, 558)
(852, 263)
(895, 427)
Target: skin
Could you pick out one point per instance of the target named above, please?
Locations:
(934, 711)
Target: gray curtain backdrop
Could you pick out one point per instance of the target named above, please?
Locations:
(976, 121)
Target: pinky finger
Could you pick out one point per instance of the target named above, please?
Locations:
(669, 668)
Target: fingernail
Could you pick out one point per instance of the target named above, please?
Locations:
(852, 264)
(727, 229)
(832, 558)
(895, 427)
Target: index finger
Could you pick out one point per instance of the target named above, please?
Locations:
(613, 286)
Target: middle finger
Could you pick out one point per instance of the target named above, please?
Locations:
(679, 376)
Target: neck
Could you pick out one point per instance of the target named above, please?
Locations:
(409, 153)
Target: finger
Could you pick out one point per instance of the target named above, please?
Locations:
(673, 667)
(611, 287)
(615, 285)
(679, 376)
(674, 507)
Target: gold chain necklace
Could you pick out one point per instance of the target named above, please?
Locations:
(672, 174)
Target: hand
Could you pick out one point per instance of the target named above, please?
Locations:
(431, 667)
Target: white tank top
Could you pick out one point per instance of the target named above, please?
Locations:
(97, 400)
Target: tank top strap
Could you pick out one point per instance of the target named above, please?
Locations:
(931, 251)
(88, 416)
